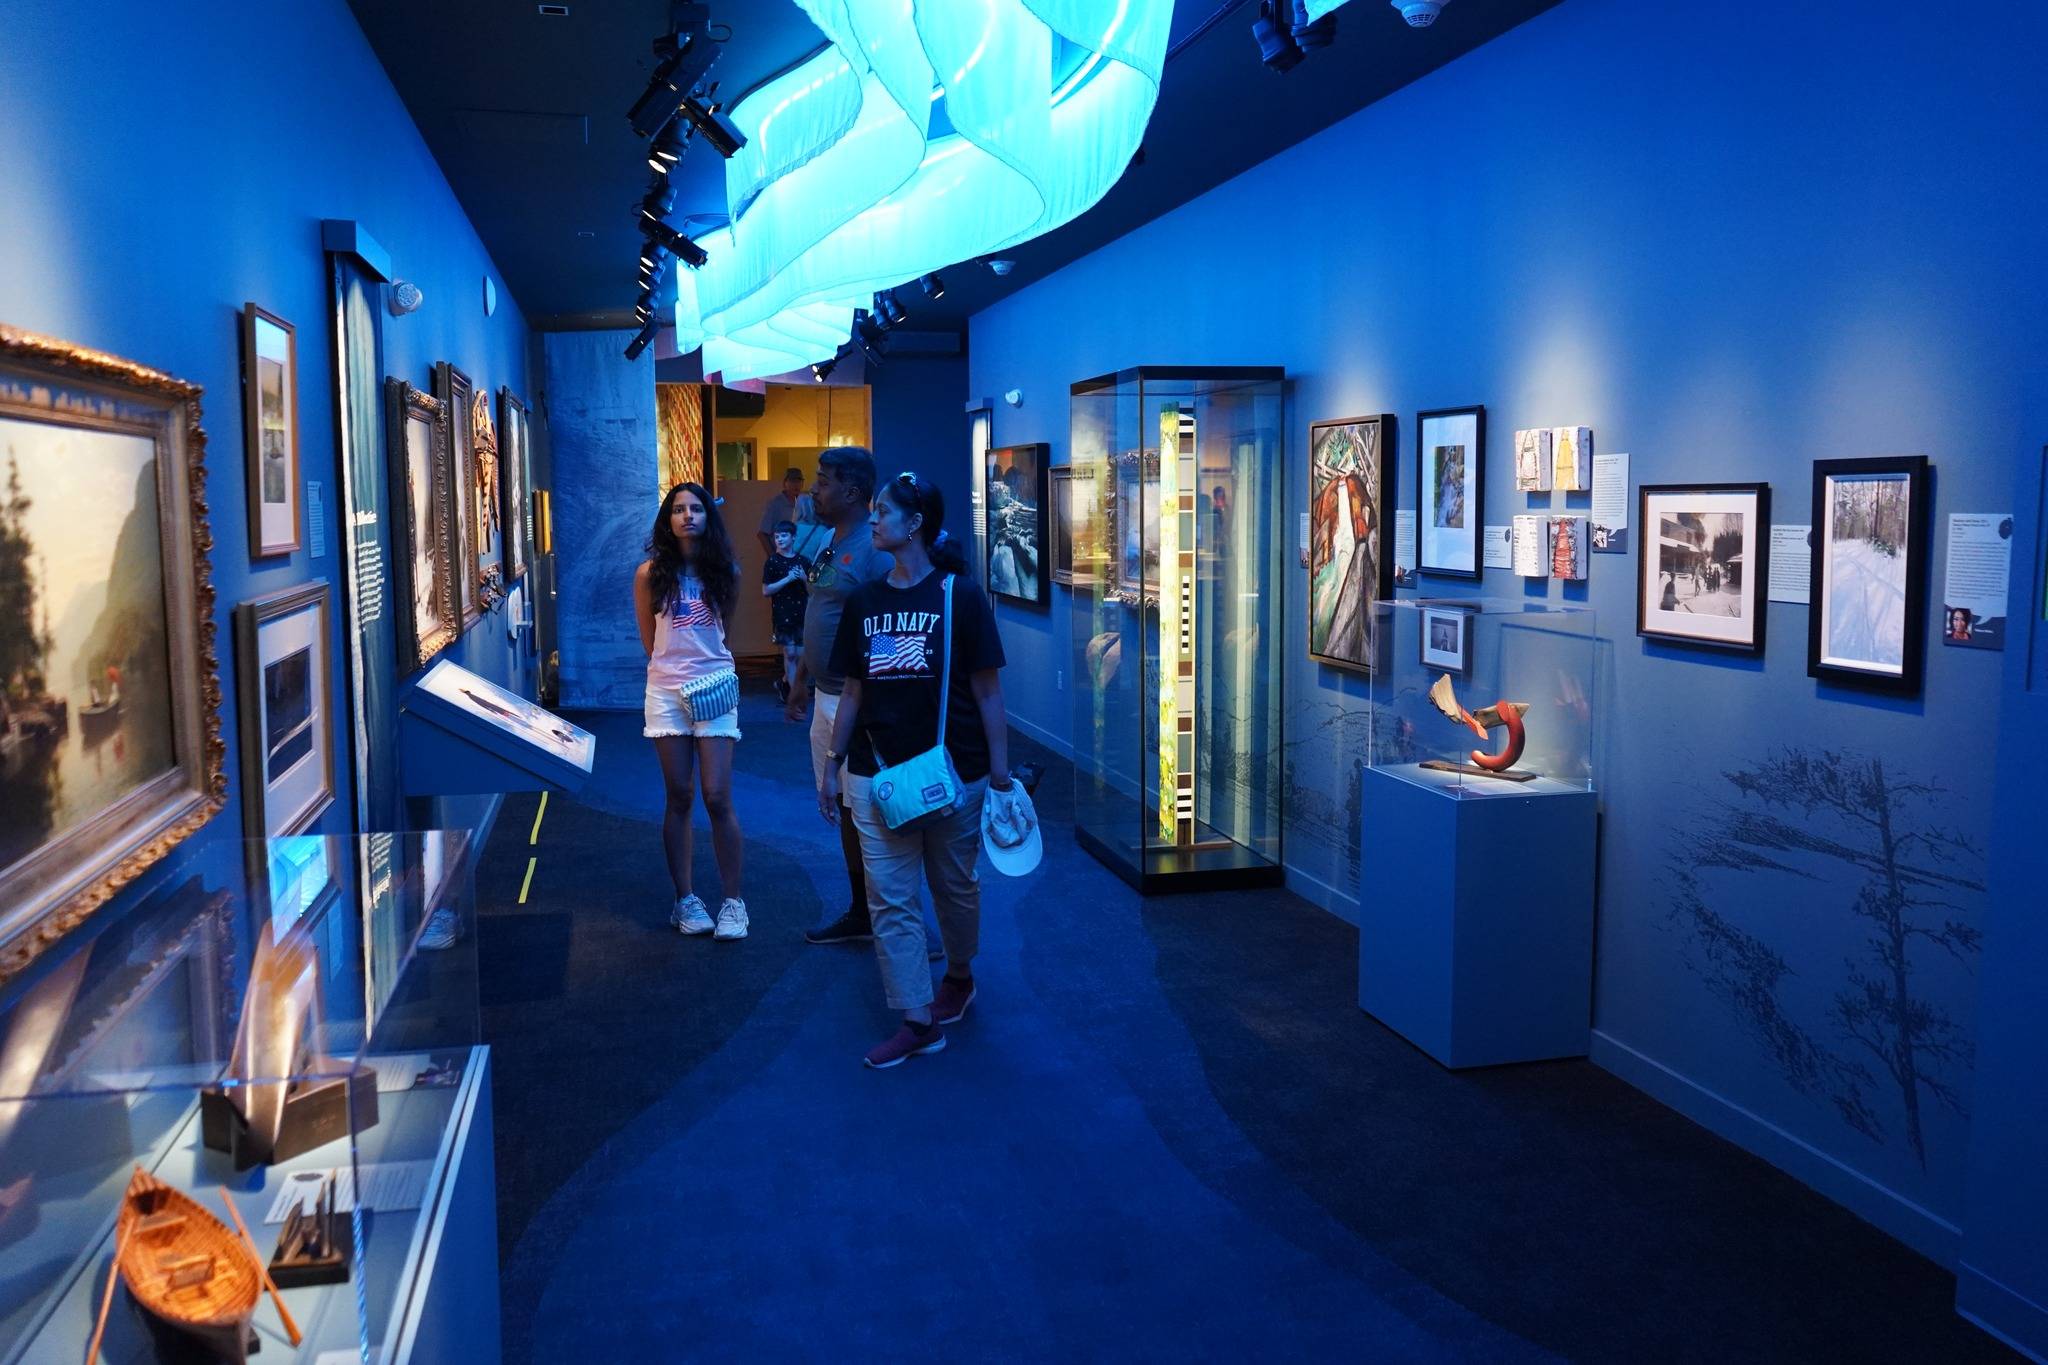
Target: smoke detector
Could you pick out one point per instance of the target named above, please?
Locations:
(1420, 13)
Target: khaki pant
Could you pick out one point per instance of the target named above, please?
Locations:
(946, 853)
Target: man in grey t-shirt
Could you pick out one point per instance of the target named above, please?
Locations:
(784, 506)
(842, 492)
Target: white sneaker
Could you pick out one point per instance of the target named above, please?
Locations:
(732, 919)
(690, 916)
(441, 930)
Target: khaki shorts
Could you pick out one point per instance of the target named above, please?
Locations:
(668, 714)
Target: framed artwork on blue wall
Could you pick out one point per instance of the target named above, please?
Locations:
(1703, 564)
(270, 430)
(1015, 483)
(423, 546)
(287, 715)
(1867, 627)
(458, 397)
(1350, 487)
(1450, 484)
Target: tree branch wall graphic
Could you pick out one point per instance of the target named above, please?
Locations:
(1834, 819)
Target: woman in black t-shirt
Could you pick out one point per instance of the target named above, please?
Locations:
(891, 649)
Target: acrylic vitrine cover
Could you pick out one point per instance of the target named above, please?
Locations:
(1481, 697)
(479, 709)
(220, 1075)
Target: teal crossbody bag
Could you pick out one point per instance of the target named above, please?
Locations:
(926, 788)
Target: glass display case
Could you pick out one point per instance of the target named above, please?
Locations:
(264, 1064)
(1177, 639)
(1484, 697)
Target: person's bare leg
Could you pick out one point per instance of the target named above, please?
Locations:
(714, 772)
(678, 757)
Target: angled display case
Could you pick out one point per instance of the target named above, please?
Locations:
(1177, 559)
(1475, 933)
(271, 1067)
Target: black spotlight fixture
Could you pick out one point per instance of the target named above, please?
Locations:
(662, 235)
(641, 341)
(868, 333)
(933, 286)
(888, 309)
(686, 53)
(823, 368)
(668, 148)
(1307, 35)
(651, 257)
(652, 273)
(659, 199)
(721, 132)
(1274, 29)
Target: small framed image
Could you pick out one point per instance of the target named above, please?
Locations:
(1866, 627)
(457, 397)
(422, 549)
(1447, 639)
(1014, 478)
(1350, 487)
(1450, 474)
(515, 475)
(1703, 565)
(287, 718)
(270, 430)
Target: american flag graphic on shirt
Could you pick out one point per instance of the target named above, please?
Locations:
(691, 611)
(898, 654)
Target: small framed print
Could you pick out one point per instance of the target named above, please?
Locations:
(270, 430)
(1447, 639)
(1450, 482)
(1866, 626)
(287, 720)
(1703, 564)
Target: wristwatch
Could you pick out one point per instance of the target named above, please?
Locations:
(837, 758)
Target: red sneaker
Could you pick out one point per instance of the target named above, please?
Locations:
(950, 1004)
(905, 1042)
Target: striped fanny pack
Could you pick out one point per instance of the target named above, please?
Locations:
(710, 698)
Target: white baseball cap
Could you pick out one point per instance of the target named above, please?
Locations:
(1009, 831)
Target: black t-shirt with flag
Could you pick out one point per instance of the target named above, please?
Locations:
(891, 639)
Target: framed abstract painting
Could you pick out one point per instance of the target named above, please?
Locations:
(1350, 566)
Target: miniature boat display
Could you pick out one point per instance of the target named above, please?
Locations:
(189, 1273)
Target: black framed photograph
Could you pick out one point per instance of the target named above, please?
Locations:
(423, 548)
(282, 668)
(1866, 626)
(1446, 638)
(1350, 491)
(515, 476)
(1063, 510)
(1015, 492)
(1450, 484)
(270, 430)
(458, 396)
(1704, 562)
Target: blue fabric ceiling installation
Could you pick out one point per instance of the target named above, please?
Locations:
(928, 132)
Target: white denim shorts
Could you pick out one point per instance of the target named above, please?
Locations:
(668, 714)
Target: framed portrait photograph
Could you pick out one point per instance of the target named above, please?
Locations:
(457, 398)
(1450, 474)
(1704, 562)
(423, 548)
(1866, 625)
(270, 430)
(1015, 492)
(1350, 563)
(1446, 638)
(110, 743)
(287, 715)
(515, 477)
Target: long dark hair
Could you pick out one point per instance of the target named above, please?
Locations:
(713, 563)
(913, 495)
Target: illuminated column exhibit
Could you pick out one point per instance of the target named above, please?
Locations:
(1178, 482)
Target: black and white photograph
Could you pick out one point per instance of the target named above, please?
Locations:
(1446, 638)
(1869, 577)
(281, 664)
(1702, 566)
(270, 430)
(1015, 484)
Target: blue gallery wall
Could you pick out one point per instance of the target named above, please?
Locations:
(918, 421)
(1730, 250)
(161, 166)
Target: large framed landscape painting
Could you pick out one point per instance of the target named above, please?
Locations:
(1349, 563)
(423, 547)
(1703, 564)
(1869, 574)
(110, 746)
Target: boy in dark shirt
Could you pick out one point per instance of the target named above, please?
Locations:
(783, 584)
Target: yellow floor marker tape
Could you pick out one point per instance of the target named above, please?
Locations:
(528, 881)
(534, 838)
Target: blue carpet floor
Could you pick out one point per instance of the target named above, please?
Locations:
(1164, 1132)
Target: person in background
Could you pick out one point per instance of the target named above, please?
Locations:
(783, 584)
(895, 646)
(845, 484)
(682, 597)
(782, 507)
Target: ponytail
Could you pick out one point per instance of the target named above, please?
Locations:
(911, 493)
(948, 554)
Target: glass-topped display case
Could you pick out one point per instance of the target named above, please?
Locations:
(1484, 697)
(259, 1066)
(1175, 476)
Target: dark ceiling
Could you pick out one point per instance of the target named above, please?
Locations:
(526, 114)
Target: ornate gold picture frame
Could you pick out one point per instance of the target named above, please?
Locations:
(423, 554)
(110, 743)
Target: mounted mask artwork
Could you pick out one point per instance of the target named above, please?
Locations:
(1505, 715)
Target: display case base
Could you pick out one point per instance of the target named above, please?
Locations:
(1475, 928)
(1213, 864)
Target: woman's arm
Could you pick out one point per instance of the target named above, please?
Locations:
(643, 608)
(995, 723)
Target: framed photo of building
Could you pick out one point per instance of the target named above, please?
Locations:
(1703, 565)
(456, 396)
(1446, 638)
(423, 547)
(515, 476)
(282, 669)
(1450, 482)
(1015, 491)
(270, 430)
(1350, 560)
(1866, 626)
(110, 744)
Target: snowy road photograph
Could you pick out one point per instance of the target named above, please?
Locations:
(1868, 586)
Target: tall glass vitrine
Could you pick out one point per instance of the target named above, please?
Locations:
(1177, 631)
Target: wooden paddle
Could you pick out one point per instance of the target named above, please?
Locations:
(99, 1329)
(262, 1268)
